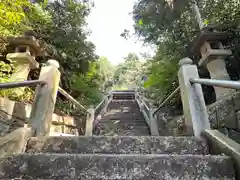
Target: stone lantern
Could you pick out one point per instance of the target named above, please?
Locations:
(208, 44)
(26, 49)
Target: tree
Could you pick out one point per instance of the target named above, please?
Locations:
(61, 26)
(128, 73)
(171, 30)
(106, 71)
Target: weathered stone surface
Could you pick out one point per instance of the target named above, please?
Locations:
(118, 145)
(123, 127)
(227, 109)
(236, 100)
(15, 114)
(122, 132)
(122, 121)
(123, 118)
(96, 167)
(226, 113)
(194, 108)
(234, 135)
(238, 119)
(212, 115)
(14, 142)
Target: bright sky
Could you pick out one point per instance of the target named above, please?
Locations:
(107, 21)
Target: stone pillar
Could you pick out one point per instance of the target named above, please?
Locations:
(23, 59)
(194, 108)
(213, 55)
(153, 124)
(89, 122)
(44, 103)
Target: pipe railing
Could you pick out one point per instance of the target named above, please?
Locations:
(175, 92)
(68, 96)
(218, 83)
(9, 85)
(101, 105)
(105, 97)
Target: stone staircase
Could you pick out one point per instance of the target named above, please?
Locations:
(122, 150)
(123, 118)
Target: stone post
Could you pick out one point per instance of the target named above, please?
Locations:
(89, 122)
(153, 124)
(194, 108)
(213, 58)
(23, 59)
(107, 101)
(43, 107)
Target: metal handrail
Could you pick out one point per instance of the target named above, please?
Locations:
(218, 83)
(99, 105)
(144, 103)
(63, 92)
(167, 99)
(9, 85)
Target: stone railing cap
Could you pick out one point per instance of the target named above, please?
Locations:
(185, 61)
(53, 62)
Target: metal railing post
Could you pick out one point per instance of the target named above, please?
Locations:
(194, 108)
(89, 122)
(43, 107)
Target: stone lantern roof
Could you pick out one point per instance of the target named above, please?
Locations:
(206, 34)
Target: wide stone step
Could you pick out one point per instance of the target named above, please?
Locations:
(118, 145)
(122, 132)
(122, 125)
(122, 121)
(116, 167)
(122, 107)
(123, 117)
(124, 101)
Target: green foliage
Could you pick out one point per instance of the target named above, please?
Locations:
(87, 86)
(15, 19)
(128, 73)
(171, 30)
(61, 26)
(11, 15)
(106, 72)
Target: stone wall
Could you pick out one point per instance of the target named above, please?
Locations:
(225, 112)
(14, 115)
(223, 115)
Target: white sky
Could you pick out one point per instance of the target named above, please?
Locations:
(107, 21)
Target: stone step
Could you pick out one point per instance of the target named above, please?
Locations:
(123, 105)
(123, 101)
(117, 128)
(137, 121)
(122, 124)
(132, 113)
(122, 108)
(118, 145)
(123, 117)
(116, 167)
(122, 133)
